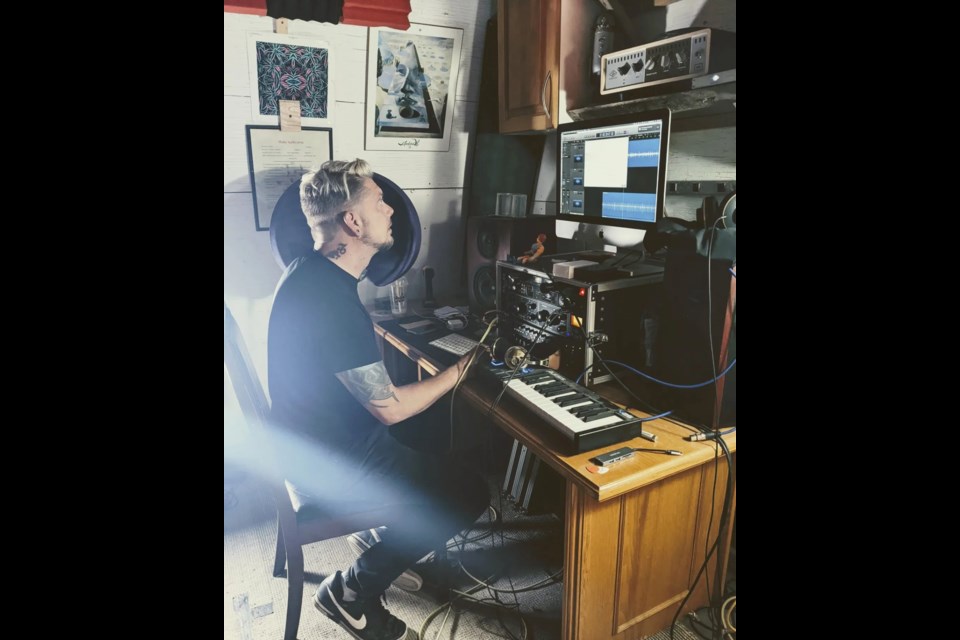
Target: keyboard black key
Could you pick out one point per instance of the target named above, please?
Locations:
(537, 377)
(596, 416)
(586, 420)
(546, 388)
(582, 412)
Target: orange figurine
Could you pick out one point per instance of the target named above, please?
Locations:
(536, 250)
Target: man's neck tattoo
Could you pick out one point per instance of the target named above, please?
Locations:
(339, 251)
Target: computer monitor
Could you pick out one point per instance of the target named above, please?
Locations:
(611, 176)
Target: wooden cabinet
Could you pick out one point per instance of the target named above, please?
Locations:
(529, 64)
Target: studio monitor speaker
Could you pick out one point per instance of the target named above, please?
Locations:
(492, 238)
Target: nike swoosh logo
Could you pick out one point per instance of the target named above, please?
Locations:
(356, 624)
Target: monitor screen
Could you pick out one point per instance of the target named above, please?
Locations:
(612, 171)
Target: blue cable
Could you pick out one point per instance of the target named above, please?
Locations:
(659, 415)
(666, 384)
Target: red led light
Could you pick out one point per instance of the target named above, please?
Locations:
(583, 292)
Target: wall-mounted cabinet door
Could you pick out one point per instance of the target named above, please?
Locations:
(529, 64)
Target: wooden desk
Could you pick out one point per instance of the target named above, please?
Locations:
(635, 537)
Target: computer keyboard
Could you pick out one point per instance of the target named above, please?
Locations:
(455, 344)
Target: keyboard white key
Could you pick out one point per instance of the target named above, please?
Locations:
(558, 401)
(455, 343)
(561, 415)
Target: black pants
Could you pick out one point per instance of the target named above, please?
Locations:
(426, 497)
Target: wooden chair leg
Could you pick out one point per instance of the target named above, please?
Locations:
(294, 592)
(281, 556)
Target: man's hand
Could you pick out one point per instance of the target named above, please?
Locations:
(462, 365)
(482, 357)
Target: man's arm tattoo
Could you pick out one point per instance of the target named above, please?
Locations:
(370, 384)
(336, 253)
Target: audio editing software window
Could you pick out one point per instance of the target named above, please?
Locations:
(611, 171)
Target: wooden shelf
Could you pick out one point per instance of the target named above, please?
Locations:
(701, 103)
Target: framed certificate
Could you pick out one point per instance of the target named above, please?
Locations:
(280, 158)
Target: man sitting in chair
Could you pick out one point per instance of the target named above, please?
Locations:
(329, 385)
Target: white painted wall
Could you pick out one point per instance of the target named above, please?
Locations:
(434, 181)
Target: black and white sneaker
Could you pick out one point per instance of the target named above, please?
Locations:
(363, 619)
(363, 540)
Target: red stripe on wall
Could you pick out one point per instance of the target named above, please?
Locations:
(377, 13)
(252, 7)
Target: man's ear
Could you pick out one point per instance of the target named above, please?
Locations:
(352, 221)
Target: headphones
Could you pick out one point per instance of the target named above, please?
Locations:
(728, 210)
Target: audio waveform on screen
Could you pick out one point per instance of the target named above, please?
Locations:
(643, 153)
(629, 206)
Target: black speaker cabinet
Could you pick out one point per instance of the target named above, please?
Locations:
(492, 238)
(683, 347)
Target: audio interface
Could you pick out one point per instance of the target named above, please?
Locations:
(681, 57)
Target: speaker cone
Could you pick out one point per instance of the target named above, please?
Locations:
(487, 242)
(485, 286)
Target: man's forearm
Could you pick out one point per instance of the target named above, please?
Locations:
(418, 396)
(372, 387)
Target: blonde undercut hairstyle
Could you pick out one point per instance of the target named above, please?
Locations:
(328, 192)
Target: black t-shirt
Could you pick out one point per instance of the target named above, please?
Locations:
(319, 327)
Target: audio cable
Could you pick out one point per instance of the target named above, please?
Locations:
(709, 435)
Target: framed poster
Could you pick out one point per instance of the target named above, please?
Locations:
(411, 87)
(286, 67)
(280, 158)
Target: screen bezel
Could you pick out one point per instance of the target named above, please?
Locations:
(596, 123)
